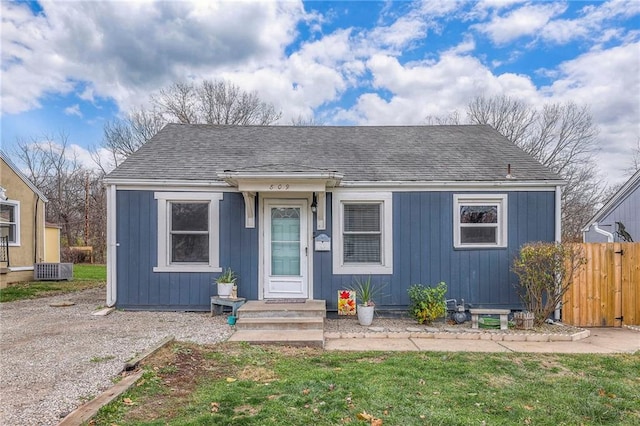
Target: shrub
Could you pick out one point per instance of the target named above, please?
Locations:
(545, 271)
(427, 303)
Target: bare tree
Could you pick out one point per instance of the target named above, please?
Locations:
(309, 120)
(634, 165)
(210, 102)
(451, 119)
(55, 170)
(221, 102)
(560, 136)
(511, 117)
(123, 136)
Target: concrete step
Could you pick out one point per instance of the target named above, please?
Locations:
(280, 323)
(260, 309)
(311, 338)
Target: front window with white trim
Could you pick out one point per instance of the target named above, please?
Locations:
(10, 220)
(480, 220)
(188, 232)
(362, 229)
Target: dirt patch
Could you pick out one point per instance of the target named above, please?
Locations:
(498, 381)
(179, 367)
(257, 374)
(553, 366)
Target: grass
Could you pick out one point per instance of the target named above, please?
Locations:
(84, 277)
(237, 384)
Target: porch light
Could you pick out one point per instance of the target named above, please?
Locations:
(314, 203)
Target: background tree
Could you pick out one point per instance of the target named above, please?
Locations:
(560, 136)
(309, 120)
(207, 102)
(634, 165)
(75, 193)
(123, 137)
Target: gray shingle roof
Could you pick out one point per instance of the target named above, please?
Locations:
(371, 153)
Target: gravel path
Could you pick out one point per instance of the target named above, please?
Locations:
(52, 359)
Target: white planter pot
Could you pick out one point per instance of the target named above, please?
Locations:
(365, 314)
(224, 290)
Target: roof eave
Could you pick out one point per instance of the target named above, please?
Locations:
(625, 190)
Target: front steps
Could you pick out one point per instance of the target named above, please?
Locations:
(297, 324)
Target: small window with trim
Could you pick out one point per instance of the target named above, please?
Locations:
(362, 229)
(480, 220)
(188, 232)
(10, 221)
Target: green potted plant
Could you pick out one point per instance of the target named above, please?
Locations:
(366, 291)
(226, 283)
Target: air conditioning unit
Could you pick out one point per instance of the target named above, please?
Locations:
(53, 271)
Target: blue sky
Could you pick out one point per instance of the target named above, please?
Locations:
(70, 66)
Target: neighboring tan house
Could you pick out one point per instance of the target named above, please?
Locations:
(22, 221)
(300, 212)
(619, 218)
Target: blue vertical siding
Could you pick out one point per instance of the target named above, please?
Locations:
(138, 287)
(423, 251)
(626, 211)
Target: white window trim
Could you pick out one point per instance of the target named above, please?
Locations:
(16, 205)
(164, 263)
(499, 200)
(386, 265)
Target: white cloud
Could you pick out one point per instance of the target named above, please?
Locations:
(127, 50)
(524, 21)
(73, 110)
(609, 82)
(435, 88)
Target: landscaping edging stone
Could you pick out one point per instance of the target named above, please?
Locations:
(89, 409)
(462, 335)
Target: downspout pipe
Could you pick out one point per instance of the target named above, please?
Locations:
(111, 246)
(558, 237)
(601, 231)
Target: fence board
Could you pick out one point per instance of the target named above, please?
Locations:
(606, 288)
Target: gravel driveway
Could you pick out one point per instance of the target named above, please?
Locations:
(55, 358)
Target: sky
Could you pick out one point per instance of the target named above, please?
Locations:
(72, 66)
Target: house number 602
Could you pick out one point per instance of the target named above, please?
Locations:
(280, 187)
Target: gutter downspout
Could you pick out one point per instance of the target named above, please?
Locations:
(601, 231)
(111, 246)
(558, 236)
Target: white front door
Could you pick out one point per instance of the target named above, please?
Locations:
(285, 249)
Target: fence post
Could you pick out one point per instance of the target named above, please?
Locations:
(617, 279)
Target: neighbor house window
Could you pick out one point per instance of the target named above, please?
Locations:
(188, 232)
(10, 220)
(362, 230)
(480, 220)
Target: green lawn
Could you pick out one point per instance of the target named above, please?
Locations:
(236, 384)
(84, 277)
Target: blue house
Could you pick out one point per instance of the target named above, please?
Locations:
(618, 219)
(299, 212)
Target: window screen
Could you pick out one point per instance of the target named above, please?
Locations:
(362, 233)
(478, 224)
(8, 220)
(189, 232)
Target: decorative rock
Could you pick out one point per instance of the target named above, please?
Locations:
(560, 338)
(514, 338)
(103, 312)
(62, 304)
(537, 337)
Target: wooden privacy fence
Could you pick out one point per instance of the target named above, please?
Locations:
(605, 292)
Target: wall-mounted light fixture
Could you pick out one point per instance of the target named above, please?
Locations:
(314, 203)
(3, 194)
